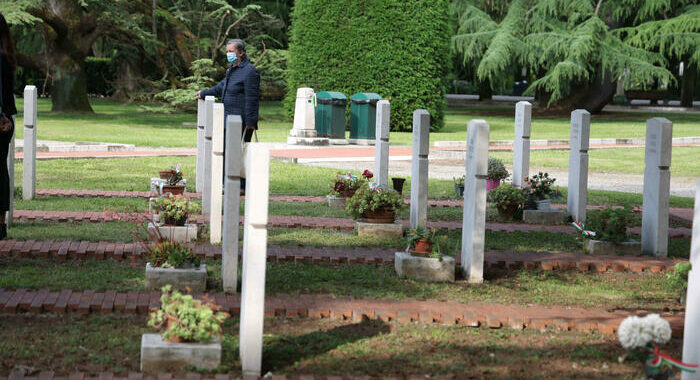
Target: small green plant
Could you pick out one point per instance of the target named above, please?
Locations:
(370, 197)
(185, 319)
(540, 186)
(459, 181)
(169, 254)
(507, 198)
(173, 209)
(677, 280)
(420, 233)
(496, 170)
(610, 224)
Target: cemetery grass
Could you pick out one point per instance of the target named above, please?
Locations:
(295, 346)
(133, 174)
(130, 124)
(610, 291)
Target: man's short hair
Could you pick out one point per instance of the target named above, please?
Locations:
(238, 44)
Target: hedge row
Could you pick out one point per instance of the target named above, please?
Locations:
(396, 48)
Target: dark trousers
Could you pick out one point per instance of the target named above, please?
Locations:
(5, 139)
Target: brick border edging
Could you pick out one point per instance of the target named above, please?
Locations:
(85, 250)
(472, 314)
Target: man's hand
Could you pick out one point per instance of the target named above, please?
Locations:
(198, 96)
(249, 127)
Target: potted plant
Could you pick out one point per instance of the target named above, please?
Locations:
(345, 186)
(420, 241)
(172, 184)
(608, 232)
(190, 334)
(540, 190)
(507, 199)
(167, 254)
(173, 263)
(174, 209)
(496, 172)
(374, 204)
(459, 185)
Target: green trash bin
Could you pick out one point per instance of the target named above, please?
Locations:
(330, 114)
(363, 109)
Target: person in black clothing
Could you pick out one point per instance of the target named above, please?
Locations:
(8, 64)
(239, 90)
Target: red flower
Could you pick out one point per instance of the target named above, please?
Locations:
(339, 187)
(367, 174)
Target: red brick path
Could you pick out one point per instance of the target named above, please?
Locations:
(318, 306)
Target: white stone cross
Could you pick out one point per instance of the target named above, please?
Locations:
(577, 196)
(208, 130)
(419, 169)
(691, 327)
(232, 203)
(29, 150)
(381, 146)
(521, 145)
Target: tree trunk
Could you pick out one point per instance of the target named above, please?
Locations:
(485, 91)
(690, 75)
(591, 96)
(69, 93)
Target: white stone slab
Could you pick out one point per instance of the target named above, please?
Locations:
(521, 144)
(179, 234)
(577, 195)
(199, 170)
(474, 217)
(208, 130)
(657, 187)
(158, 355)
(691, 329)
(254, 259)
(419, 169)
(180, 278)
(424, 268)
(232, 204)
(217, 173)
(29, 149)
(381, 146)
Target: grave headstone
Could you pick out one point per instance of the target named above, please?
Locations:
(521, 145)
(474, 217)
(217, 172)
(232, 204)
(691, 327)
(254, 259)
(208, 130)
(199, 170)
(419, 169)
(381, 147)
(578, 165)
(29, 150)
(657, 186)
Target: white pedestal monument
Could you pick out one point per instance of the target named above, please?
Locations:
(381, 147)
(691, 327)
(578, 165)
(474, 219)
(419, 169)
(232, 203)
(217, 173)
(521, 145)
(657, 186)
(254, 259)
(199, 169)
(304, 128)
(208, 130)
(29, 161)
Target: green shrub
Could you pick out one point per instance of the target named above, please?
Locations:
(678, 279)
(496, 169)
(506, 195)
(610, 224)
(397, 49)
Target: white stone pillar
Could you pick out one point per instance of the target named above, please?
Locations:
(254, 259)
(381, 147)
(199, 171)
(419, 169)
(29, 150)
(474, 217)
(232, 203)
(521, 144)
(657, 186)
(304, 117)
(691, 327)
(578, 165)
(208, 130)
(217, 173)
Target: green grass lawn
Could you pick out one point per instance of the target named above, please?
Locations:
(129, 124)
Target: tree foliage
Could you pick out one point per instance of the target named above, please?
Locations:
(398, 49)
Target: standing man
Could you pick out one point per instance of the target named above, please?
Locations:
(239, 90)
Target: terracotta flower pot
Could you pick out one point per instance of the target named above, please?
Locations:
(173, 189)
(423, 248)
(164, 174)
(175, 339)
(380, 215)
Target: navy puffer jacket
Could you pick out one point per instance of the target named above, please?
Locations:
(240, 92)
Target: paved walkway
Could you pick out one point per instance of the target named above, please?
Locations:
(85, 250)
(317, 306)
(286, 221)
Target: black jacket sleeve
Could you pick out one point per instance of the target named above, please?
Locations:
(252, 97)
(216, 91)
(7, 84)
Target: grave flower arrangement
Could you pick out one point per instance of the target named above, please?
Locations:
(539, 190)
(173, 175)
(425, 242)
(507, 199)
(167, 254)
(185, 319)
(610, 224)
(174, 209)
(374, 201)
(496, 170)
(641, 337)
(345, 185)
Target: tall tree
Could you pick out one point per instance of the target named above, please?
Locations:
(570, 45)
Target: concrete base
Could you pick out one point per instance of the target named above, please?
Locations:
(179, 234)
(193, 278)
(315, 141)
(361, 142)
(424, 268)
(599, 247)
(548, 217)
(338, 142)
(335, 201)
(380, 230)
(158, 355)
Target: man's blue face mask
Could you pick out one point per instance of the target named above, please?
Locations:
(232, 57)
